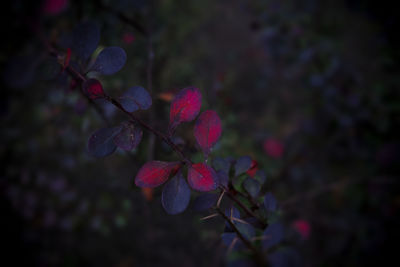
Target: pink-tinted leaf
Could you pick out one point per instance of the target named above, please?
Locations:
(202, 177)
(185, 107)
(207, 130)
(93, 88)
(129, 137)
(155, 173)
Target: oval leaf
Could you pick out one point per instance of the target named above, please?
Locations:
(251, 186)
(93, 89)
(185, 107)
(273, 235)
(176, 195)
(155, 173)
(135, 98)
(202, 177)
(110, 60)
(85, 38)
(232, 212)
(101, 143)
(260, 176)
(270, 202)
(221, 164)
(223, 178)
(246, 229)
(204, 202)
(242, 165)
(129, 137)
(207, 130)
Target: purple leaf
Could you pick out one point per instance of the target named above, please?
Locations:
(260, 176)
(242, 165)
(101, 143)
(247, 230)
(204, 202)
(251, 186)
(270, 202)
(129, 137)
(221, 164)
(110, 60)
(273, 235)
(176, 195)
(135, 98)
(223, 178)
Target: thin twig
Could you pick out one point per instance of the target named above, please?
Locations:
(259, 257)
(246, 209)
(209, 217)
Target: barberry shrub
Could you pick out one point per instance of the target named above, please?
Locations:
(230, 188)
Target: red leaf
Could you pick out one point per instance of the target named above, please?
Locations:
(93, 88)
(185, 107)
(202, 177)
(54, 7)
(253, 169)
(303, 227)
(155, 173)
(207, 130)
(273, 147)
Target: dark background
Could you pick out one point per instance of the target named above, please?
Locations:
(319, 77)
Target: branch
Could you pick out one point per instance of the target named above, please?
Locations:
(246, 209)
(259, 257)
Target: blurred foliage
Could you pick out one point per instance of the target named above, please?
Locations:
(320, 78)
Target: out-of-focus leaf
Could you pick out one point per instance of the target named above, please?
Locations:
(221, 164)
(176, 195)
(135, 98)
(270, 202)
(202, 177)
(232, 212)
(260, 176)
(252, 186)
(273, 235)
(129, 137)
(110, 60)
(237, 182)
(247, 230)
(223, 178)
(207, 130)
(85, 38)
(155, 173)
(185, 107)
(287, 257)
(101, 143)
(204, 202)
(242, 165)
(227, 238)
